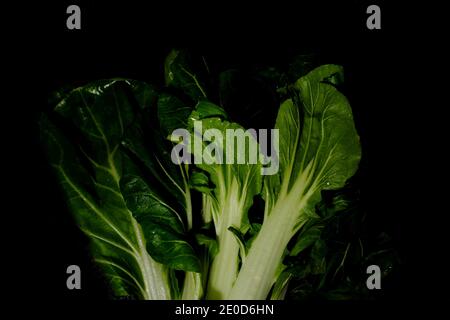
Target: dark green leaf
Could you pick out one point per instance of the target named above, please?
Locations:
(240, 239)
(210, 243)
(200, 182)
(183, 73)
(145, 203)
(89, 167)
(306, 238)
(161, 224)
(172, 113)
(280, 287)
(168, 247)
(318, 257)
(206, 109)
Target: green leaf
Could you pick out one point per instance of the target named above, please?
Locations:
(253, 232)
(254, 229)
(246, 176)
(319, 145)
(161, 224)
(182, 72)
(209, 243)
(200, 182)
(89, 170)
(306, 239)
(280, 287)
(172, 113)
(143, 202)
(145, 94)
(318, 257)
(100, 151)
(235, 182)
(240, 239)
(206, 109)
(147, 141)
(318, 150)
(168, 247)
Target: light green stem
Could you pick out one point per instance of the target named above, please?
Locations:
(224, 268)
(154, 274)
(257, 274)
(225, 265)
(192, 288)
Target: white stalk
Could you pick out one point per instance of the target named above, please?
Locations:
(192, 287)
(154, 274)
(257, 274)
(225, 265)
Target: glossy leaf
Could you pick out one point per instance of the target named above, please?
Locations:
(97, 163)
(89, 174)
(162, 226)
(318, 150)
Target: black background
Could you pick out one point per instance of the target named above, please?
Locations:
(130, 39)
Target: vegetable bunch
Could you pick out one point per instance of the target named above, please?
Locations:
(165, 230)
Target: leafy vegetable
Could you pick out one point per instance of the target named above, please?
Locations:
(235, 187)
(215, 227)
(130, 225)
(319, 150)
